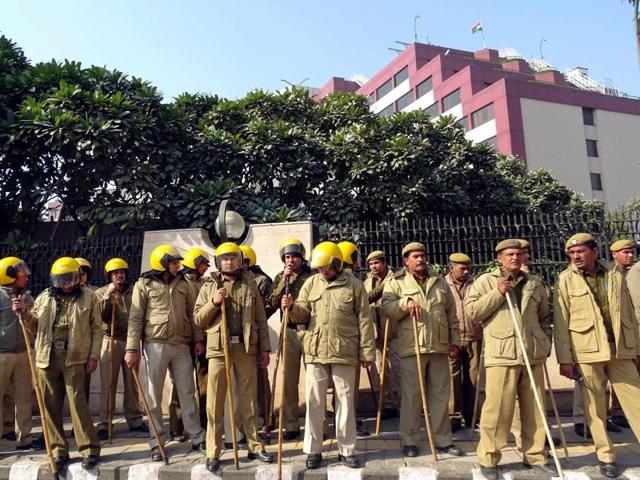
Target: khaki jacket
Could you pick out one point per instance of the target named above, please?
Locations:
(123, 307)
(341, 328)
(85, 327)
(633, 283)
(243, 296)
(161, 312)
(375, 300)
(470, 331)
(580, 335)
(199, 335)
(488, 307)
(438, 326)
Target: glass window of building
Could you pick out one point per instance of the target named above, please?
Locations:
(424, 87)
(451, 100)
(432, 110)
(596, 182)
(401, 76)
(404, 101)
(387, 112)
(592, 148)
(491, 142)
(383, 89)
(588, 116)
(463, 123)
(482, 115)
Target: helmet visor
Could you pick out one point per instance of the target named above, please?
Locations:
(20, 267)
(223, 264)
(70, 279)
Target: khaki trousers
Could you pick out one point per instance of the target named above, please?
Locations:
(465, 372)
(245, 373)
(15, 373)
(615, 409)
(130, 402)
(175, 412)
(176, 359)
(9, 409)
(435, 367)
(56, 381)
(263, 399)
(503, 384)
(391, 394)
(626, 383)
(317, 379)
(295, 354)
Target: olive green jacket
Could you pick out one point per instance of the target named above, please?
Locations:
(85, 327)
(438, 326)
(295, 285)
(161, 312)
(580, 335)
(375, 300)
(123, 307)
(243, 297)
(11, 337)
(341, 328)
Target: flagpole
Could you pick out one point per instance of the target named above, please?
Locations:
(484, 44)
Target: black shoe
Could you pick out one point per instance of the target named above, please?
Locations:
(580, 431)
(490, 473)
(156, 456)
(27, 446)
(609, 470)
(178, 437)
(200, 447)
(451, 450)
(410, 451)
(143, 427)
(349, 461)
(103, 434)
(61, 462)
(213, 464)
(540, 468)
(11, 436)
(621, 421)
(288, 436)
(262, 455)
(90, 462)
(314, 460)
(242, 444)
(612, 427)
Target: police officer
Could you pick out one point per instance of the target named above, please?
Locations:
(85, 272)
(296, 272)
(420, 293)
(162, 317)
(248, 338)
(506, 374)
(117, 292)
(340, 340)
(68, 327)
(596, 335)
(195, 263)
(465, 369)
(14, 360)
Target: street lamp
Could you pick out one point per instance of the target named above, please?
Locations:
(229, 225)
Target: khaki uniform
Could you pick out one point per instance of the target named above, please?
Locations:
(596, 329)
(15, 373)
(68, 334)
(162, 317)
(437, 330)
(249, 336)
(340, 335)
(175, 413)
(130, 403)
(465, 369)
(633, 283)
(294, 348)
(391, 394)
(506, 374)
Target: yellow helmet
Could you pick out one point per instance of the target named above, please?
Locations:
(65, 270)
(115, 264)
(249, 253)
(292, 246)
(162, 255)
(327, 254)
(228, 248)
(194, 257)
(350, 253)
(84, 263)
(9, 268)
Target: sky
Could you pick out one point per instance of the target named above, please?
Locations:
(230, 47)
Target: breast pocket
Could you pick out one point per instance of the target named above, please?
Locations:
(501, 342)
(214, 339)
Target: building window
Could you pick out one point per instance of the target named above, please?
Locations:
(592, 148)
(371, 98)
(451, 100)
(463, 124)
(587, 116)
(432, 110)
(401, 76)
(596, 182)
(404, 101)
(387, 112)
(483, 115)
(424, 87)
(491, 142)
(383, 89)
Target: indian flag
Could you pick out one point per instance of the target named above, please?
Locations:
(476, 27)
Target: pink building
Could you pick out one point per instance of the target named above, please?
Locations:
(585, 133)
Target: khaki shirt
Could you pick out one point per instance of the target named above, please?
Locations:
(341, 328)
(469, 331)
(84, 333)
(579, 327)
(123, 307)
(243, 304)
(487, 306)
(438, 327)
(161, 312)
